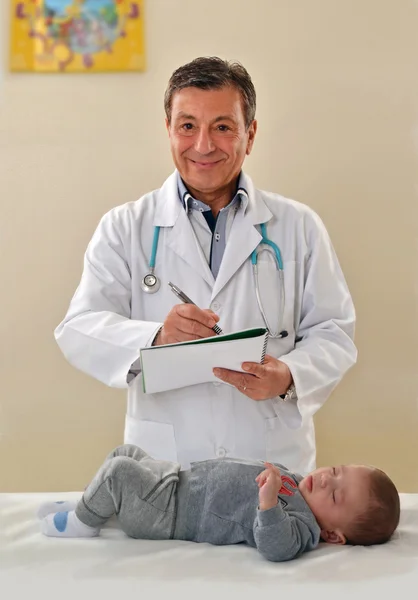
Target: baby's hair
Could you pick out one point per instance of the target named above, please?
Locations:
(377, 523)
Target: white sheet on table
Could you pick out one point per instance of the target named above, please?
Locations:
(114, 565)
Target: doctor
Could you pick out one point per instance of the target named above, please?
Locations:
(200, 231)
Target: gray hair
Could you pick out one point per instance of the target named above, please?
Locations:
(213, 73)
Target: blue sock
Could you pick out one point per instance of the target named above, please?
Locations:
(66, 524)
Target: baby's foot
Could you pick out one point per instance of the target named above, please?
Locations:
(53, 507)
(66, 524)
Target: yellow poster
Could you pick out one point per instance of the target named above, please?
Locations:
(84, 36)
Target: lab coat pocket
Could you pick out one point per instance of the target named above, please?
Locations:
(157, 439)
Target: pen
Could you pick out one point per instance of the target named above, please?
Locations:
(177, 291)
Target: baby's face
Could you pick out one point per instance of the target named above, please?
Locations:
(336, 495)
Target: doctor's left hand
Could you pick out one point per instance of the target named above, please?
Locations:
(260, 382)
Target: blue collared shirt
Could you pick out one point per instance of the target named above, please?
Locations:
(212, 232)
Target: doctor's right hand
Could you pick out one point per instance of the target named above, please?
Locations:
(186, 322)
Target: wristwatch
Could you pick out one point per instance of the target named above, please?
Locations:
(290, 394)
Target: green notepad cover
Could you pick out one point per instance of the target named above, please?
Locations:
(225, 337)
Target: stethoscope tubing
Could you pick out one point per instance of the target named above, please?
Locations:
(279, 265)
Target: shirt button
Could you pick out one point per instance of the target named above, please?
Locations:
(216, 383)
(221, 452)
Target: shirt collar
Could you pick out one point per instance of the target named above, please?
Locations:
(189, 202)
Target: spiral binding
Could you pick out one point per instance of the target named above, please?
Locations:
(263, 353)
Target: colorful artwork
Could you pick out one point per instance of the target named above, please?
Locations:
(77, 35)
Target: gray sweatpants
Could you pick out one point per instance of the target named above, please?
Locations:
(141, 491)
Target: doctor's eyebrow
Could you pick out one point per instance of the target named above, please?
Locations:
(182, 115)
(224, 118)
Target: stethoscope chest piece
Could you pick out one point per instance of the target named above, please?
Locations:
(150, 283)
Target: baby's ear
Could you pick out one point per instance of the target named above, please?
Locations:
(333, 537)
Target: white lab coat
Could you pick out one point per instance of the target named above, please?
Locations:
(110, 318)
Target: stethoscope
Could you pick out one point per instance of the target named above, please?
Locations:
(151, 284)
(280, 332)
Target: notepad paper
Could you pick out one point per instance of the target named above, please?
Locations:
(173, 366)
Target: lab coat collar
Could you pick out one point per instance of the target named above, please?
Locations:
(168, 208)
(191, 203)
(179, 234)
(243, 239)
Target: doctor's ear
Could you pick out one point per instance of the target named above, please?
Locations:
(333, 537)
(167, 125)
(252, 130)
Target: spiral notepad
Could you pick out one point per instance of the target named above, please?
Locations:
(173, 366)
(263, 352)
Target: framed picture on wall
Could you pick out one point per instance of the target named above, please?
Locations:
(83, 36)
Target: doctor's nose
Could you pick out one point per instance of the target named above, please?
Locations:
(203, 142)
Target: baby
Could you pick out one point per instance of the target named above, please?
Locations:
(231, 501)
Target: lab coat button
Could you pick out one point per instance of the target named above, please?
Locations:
(221, 452)
(215, 306)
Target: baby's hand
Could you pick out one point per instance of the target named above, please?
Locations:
(270, 482)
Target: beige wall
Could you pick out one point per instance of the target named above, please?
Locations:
(337, 85)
